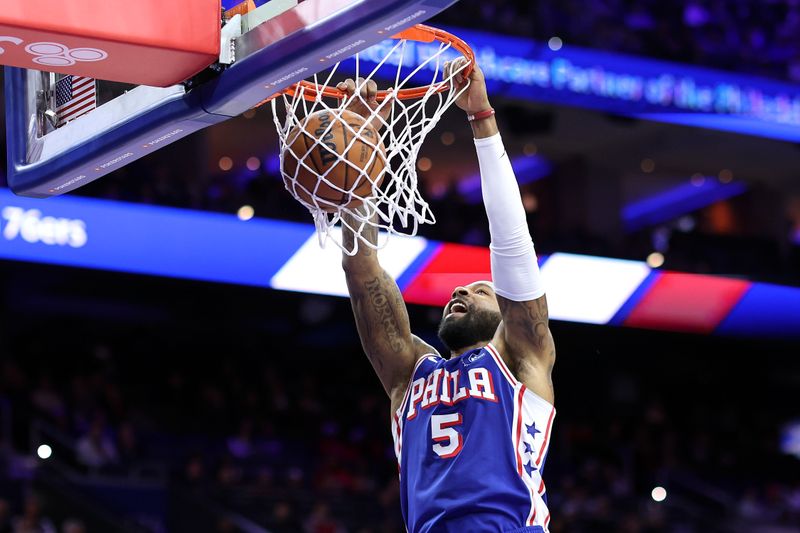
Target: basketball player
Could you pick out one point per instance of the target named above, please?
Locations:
(471, 431)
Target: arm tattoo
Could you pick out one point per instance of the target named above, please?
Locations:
(382, 322)
(384, 313)
(379, 309)
(530, 319)
(532, 352)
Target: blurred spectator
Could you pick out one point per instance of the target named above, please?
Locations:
(321, 521)
(95, 449)
(750, 507)
(195, 470)
(283, 519)
(226, 525)
(5, 516)
(48, 400)
(31, 520)
(130, 450)
(72, 525)
(240, 445)
(229, 473)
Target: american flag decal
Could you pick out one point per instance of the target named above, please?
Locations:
(75, 96)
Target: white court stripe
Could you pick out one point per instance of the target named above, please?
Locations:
(581, 288)
(319, 270)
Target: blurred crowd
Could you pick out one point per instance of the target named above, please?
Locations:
(310, 451)
(30, 519)
(751, 36)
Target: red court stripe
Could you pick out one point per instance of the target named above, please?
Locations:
(687, 302)
(450, 266)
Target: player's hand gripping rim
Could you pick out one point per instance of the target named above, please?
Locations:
(473, 97)
(365, 101)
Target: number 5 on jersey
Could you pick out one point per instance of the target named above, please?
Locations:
(448, 440)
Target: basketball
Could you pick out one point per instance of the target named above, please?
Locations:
(337, 170)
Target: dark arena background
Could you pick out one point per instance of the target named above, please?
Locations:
(181, 361)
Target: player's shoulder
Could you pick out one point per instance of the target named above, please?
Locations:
(424, 354)
(427, 362)
(422, 349)
(427, 358)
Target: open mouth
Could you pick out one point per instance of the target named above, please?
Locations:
(457, 308)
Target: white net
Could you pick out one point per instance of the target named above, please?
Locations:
(389, 199)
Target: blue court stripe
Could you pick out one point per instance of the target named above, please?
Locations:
(765, 310)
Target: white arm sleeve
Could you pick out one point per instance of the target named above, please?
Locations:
(515, 270)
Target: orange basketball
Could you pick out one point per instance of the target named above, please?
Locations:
(320, 142)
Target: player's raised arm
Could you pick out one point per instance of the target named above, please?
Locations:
(524, 332)
(381, 315)
(380, 312)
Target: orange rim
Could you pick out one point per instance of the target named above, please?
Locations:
(419, 33)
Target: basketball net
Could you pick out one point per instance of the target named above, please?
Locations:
(395, 206)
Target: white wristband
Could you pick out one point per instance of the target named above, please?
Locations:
(515, 270)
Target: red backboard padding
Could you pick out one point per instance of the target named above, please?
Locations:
(145, 42)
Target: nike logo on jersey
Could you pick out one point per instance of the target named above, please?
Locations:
(449, 388)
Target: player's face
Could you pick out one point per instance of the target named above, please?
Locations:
(471, 316)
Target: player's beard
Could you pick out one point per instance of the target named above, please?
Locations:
(477, 325)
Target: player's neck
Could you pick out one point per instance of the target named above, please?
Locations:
(456, 353)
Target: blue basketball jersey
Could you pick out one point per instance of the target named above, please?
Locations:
(471, 443)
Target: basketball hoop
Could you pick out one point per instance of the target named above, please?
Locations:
(421, 91)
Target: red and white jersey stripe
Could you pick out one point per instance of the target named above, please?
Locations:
(530, 435)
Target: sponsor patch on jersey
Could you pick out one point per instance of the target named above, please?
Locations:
(474, 356)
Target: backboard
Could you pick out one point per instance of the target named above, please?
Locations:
(259, 53)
